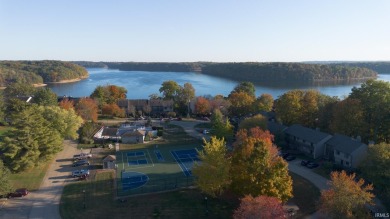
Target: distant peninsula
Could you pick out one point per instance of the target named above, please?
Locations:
(251, 71)
(40, 72)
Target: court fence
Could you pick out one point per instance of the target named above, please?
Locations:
(157, 185)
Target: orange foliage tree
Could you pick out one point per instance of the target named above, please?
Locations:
(346, 197)
(113, 110)
(256, 167)
(241, 103)
(87, 109)
(202, 106)
(260, 207)
(66, 104)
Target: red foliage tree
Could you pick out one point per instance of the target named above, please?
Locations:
(113, 110)
(87, 109)
(259, 207)
(66, 104)
(202, 106)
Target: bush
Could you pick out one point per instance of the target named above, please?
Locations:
(159, 132)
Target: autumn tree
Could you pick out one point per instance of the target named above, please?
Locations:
(264, 103)
(288, 107)
(221, 126)
(212, 172)
(87, 109)
(374, 97)
(66, 104)
(245, 87)
(309, 114)
(348, 118)
(219, 102)
(5, 185)
(260, 207)
(256, 167)
(254, 121)
(241, 103)
(202, 106)
(346, 197)
(169, 89)
(376, 167)
(113, 110)
(108, 94)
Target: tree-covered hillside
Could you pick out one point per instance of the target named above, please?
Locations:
(381, 67)
(250, 71)
(36, 72)
(255, 71)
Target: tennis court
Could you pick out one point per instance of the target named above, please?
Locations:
(133, 180)
(186, 159)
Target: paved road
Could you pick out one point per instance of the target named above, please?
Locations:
(188, 127)
(44, 203)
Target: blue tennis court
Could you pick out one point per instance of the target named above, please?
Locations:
(133, 180)
(136, 158)
(159, 155)
(186, 159)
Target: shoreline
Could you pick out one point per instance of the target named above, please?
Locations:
(67, 81)
(57, 82)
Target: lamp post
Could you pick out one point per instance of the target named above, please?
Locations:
(205, 202)
(84, 198)
(188, 109)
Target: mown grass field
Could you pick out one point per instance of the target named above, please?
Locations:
(30, 179)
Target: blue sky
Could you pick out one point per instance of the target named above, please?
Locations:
(198, 30)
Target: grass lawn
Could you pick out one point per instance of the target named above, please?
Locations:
(305, 197)
(30, 179)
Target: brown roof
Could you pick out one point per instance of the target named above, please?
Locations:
(109, 131)
(110, 158)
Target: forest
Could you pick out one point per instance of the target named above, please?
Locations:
(251, 71)
(37, 72)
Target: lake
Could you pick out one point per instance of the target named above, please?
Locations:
(140, 84)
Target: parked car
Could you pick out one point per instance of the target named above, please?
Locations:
(312, 165)
(290, 158)
(80, 163)
(284, 154)
(304, 162)
(78, 173)
(83, 177)
(82, 156)
(18, 193)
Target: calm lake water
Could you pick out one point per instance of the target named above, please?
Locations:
(140, 84)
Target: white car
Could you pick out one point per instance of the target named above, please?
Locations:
(82, 156)
(78, 173)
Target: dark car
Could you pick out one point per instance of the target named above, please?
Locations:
(83, 177)
(18, 193)
(290, 158)
(81, 163)
(284, 154)
(312, 165)
(304, 162)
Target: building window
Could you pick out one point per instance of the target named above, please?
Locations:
(347, 163)
(337, 152)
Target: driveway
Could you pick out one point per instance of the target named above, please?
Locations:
(44, 203)
(188, 127)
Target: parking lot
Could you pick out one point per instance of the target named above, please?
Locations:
(44, 203)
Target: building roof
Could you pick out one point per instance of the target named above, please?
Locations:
(109, 131)
(109, 158)
(134, 133)
(344, 143)
(275, 128)
(307, 134)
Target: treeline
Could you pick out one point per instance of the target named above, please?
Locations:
(36, 72)
(257, 72)
(157, 66)
(250, 71)
(380, 67)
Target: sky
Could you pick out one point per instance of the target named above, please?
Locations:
(197, 30)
